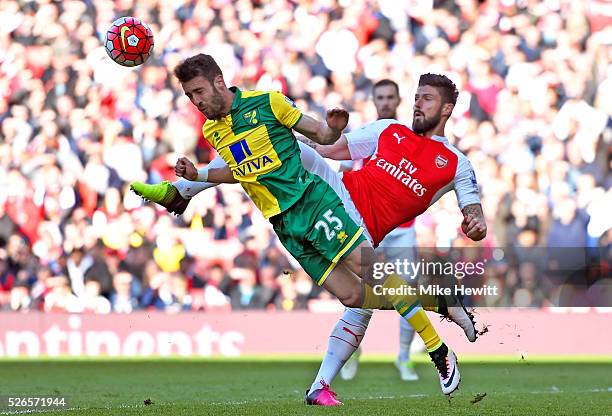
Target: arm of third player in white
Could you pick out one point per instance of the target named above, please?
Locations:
(359, 144)
(336, 151)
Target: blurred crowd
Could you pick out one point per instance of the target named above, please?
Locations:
(534, 116)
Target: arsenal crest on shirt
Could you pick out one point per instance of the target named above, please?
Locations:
(441, 161)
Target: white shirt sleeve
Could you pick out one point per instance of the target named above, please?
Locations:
(362, 142)
(466, 187)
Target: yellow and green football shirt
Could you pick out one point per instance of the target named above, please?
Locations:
(256, 141)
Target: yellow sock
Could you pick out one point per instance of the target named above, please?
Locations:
(409, 307)
(374, 301)
(421, 324)
(430, 302)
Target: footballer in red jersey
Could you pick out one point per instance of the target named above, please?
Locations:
(405, 174)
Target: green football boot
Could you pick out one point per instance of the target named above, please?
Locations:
(164, 194)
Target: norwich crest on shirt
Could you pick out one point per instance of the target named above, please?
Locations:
(251, 117)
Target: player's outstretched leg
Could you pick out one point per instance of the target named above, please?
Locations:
(443, 358)
(164, 194)
(174, 196)
(452, 308)
(448, 370)
(395, 293)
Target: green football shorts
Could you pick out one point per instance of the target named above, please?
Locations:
(317, 230)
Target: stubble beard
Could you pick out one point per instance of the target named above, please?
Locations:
(425, 124)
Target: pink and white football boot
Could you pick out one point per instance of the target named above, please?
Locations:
(322, 397)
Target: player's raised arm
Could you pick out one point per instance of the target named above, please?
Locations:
(336, 151)
(358, 144)
(325, 133)
(322, 132)
(186, 169)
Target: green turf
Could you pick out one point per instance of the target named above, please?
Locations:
(197, 387)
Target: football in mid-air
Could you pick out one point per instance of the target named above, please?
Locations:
(129, 41)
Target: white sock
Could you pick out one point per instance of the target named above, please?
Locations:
(406, 337)
(343, 342)
(188, 189)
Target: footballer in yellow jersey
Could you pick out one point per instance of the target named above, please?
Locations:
(255, 139)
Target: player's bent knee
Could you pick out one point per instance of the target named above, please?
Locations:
(352, 299)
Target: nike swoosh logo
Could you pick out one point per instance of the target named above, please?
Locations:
(123, 30)
(450, 379)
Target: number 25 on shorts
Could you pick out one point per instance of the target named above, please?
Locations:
(330, 224)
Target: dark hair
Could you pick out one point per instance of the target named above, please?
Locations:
(446, 87)
(197, 65)
(385, 82)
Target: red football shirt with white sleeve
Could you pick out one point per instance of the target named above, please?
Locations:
(406, 173)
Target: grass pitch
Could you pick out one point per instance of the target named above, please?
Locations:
(256, 387)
